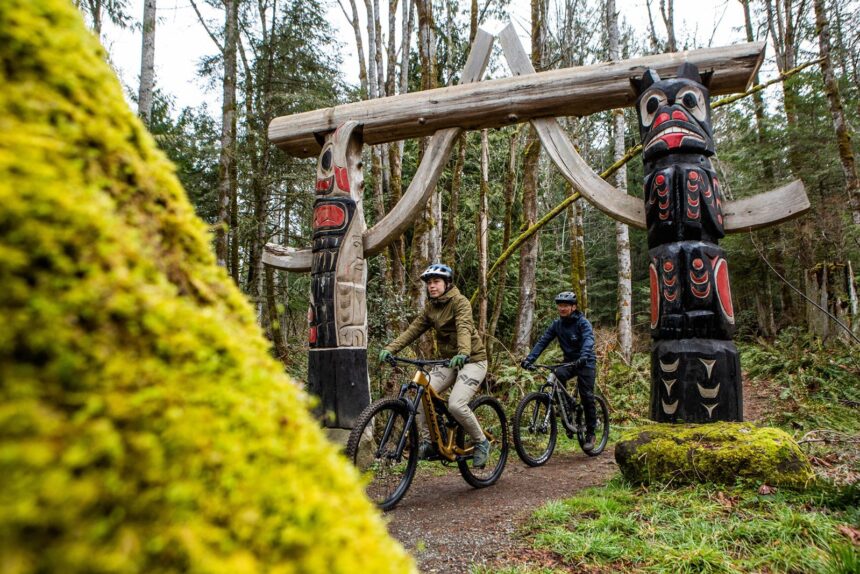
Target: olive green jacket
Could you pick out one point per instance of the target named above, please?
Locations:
(450, 316)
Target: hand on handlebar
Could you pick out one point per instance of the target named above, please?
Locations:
(457, 361)
(527, 365)
(385, 355)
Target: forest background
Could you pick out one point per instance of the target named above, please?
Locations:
(271, 58)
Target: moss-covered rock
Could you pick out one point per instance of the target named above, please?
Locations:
(143, 425)
(719, 452)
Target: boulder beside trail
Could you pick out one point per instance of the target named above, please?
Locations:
(720, 452)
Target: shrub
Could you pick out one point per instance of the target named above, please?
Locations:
(143, 425)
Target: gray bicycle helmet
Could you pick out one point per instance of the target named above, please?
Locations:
(438, 270)
(568, 297)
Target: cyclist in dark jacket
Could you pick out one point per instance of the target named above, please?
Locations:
(576, 339)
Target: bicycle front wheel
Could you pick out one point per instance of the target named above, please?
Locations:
(535, 429)
(492, 419)
(601, 429)
(384, 450)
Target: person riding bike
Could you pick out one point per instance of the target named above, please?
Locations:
(449, 314)
(576, 338)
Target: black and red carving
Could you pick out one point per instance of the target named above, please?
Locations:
(695, 367)
(337, 318)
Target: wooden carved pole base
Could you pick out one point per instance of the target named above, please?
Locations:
(339, 378)
(695, 381)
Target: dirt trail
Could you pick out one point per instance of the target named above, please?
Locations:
(449, 526)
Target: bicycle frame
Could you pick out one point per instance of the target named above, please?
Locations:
(560, 398)
(430, 399)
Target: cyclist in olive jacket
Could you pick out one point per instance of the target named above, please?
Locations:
(576, 339)
(449, 314)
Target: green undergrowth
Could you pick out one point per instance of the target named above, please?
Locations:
(696, 529)
(814, 385)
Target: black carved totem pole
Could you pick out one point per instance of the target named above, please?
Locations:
(337, 361)
(695, 367)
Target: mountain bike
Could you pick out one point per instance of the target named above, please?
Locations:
(535, 426)
(384, 442)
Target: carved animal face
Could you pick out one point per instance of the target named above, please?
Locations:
(674, 114)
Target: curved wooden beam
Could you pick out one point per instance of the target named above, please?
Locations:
(287, 258)
(766, 209)
(409, 207)
(601, 194)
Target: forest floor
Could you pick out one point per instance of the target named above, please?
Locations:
(451, 527)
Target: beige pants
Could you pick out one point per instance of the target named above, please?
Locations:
(468, 380)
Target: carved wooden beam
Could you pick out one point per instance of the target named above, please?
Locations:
(762, 210)
(407, 209)
(576, 91)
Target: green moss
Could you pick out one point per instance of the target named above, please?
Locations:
(720, 452)
(143, 425)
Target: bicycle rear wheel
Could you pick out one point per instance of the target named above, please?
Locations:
(492, 419)
(601, 429)
(373, 448)
(535, 429)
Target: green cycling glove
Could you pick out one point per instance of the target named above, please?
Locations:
(384, 355)
(457, 361)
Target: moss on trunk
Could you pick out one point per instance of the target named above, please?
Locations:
(144, 426)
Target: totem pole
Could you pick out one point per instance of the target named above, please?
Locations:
(337, 361)
(695, 367)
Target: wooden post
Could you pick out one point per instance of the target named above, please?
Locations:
(695, 367)
(337, 361)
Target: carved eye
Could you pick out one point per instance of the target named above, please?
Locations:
(325, 160)
(650, 103)
(693, 100)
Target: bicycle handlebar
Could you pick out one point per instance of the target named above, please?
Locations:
(554, 367)
(393, 360)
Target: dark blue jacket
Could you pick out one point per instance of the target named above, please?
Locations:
(575, 337)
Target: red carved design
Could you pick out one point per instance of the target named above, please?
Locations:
(664, 117)
(655, 297)
(324, 184)
(342, 177)
(670, 295)
(667, 266)
(698, 264)
(328, 215)
(692, 214)
(660, 179)
(679, 115)
(724, 292)
(670, 281)
(701, 293)
(312, 335)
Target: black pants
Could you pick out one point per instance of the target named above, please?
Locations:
(585, 385)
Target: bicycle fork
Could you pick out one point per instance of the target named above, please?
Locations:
(410, 420)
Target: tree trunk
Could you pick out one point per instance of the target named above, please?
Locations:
(359, 44)
(449, 247)
(147, 63)
(529, 249)
(622, 237)
(577, 255)
(667, 11)
(483, 232)
(510, 196)
(226, 164)
(421, 245)
(837, 112)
